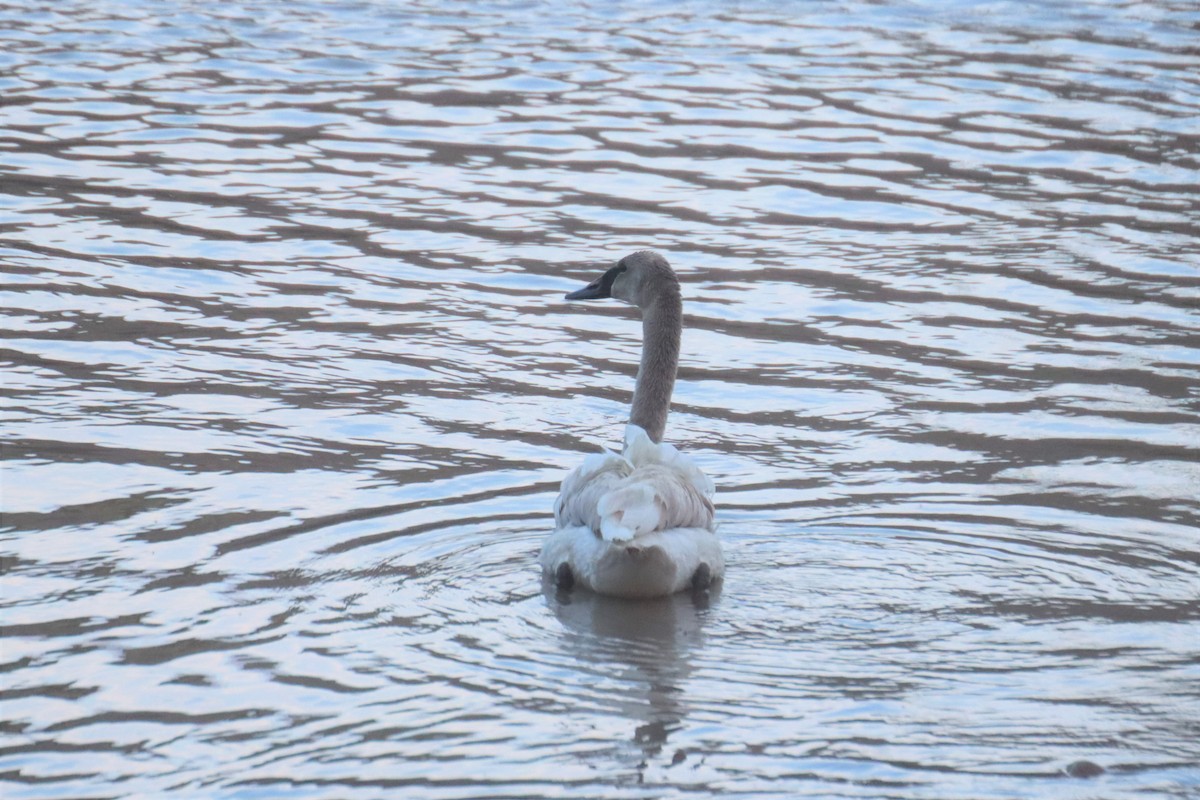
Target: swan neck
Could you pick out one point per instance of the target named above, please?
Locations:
(662, 323)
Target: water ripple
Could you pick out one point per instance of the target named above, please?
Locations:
(290, 389)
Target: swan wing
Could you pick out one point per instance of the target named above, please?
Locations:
(654, 497)
(640, 450)
(651, 487)
(584, 486)
(664, 490)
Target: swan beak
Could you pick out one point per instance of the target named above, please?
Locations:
(599, 288)
(595, 290)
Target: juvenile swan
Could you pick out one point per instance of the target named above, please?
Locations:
(639, 524)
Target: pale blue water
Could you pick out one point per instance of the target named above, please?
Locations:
(289, 387)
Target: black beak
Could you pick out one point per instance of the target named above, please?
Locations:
(599, 288)
(593, 291)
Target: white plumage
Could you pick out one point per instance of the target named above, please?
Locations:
(637, 524)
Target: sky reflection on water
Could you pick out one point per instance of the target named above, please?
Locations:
(290, 388)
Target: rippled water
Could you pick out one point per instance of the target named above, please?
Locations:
(289, 388)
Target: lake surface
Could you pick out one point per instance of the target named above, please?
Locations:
(289, 387)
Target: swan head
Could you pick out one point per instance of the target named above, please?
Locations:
(639, 279)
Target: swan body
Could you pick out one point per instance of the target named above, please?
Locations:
(639, 524)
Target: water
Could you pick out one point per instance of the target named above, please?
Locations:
(289, 389)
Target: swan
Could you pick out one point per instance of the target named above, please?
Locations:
(639, 524)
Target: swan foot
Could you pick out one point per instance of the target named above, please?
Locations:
(564, 579)
(701, 580)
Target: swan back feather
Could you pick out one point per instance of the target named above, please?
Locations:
(579, 498)
(649, 487)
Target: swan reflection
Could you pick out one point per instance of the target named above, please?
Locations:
(649, 645)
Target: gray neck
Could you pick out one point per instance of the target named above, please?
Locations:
(662, 322)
